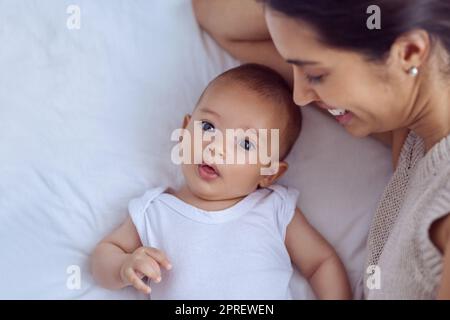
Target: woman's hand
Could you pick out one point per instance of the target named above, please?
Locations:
(143, 262)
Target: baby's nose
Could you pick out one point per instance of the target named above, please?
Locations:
(213, 149)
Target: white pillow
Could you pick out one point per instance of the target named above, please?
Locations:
(86, 117)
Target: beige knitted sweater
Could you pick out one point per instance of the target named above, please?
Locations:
(410, 266)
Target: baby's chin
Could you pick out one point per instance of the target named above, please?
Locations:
(205, 191)
(212, 191)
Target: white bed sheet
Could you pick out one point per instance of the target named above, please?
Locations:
(85, 123)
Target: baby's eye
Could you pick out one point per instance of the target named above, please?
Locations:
(206, 126)
(247, 145)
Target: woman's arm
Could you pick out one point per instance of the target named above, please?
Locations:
(239, 27)
(234, 20)
(440, 236)
(444, 290)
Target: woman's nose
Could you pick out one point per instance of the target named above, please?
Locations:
(303, 93)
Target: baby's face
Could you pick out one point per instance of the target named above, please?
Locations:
(235, 107)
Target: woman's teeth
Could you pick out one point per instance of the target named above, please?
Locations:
(337, 112)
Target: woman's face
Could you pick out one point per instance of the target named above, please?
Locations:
(377, 96)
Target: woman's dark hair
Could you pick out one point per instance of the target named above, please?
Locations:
(342, 23)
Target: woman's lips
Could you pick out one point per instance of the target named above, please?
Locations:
(207, 172)
(341, 115)
(345, 119)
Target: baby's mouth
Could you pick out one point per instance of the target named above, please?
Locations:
(208, 172)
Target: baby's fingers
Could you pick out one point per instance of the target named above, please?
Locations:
(148, 267)
(159, 256)
(136, 281)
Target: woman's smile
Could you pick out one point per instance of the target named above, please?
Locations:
(342, 115)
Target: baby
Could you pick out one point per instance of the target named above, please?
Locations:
(228, 232)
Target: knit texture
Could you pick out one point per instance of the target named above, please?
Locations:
(418, 194)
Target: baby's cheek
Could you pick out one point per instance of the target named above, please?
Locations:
(244, 176)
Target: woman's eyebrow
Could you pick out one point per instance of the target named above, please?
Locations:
(300, 63)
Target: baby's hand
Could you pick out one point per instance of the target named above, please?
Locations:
(144, 261)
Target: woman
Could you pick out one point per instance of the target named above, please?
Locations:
(392, 82)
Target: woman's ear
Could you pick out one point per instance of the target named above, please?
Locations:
(270, 179)
(186, 120)
(412, 49)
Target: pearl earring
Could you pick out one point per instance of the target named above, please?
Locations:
(413, 71)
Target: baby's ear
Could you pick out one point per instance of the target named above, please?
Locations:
(268, 180)
(186, 120)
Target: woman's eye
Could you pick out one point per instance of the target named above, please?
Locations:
(247, 145)
(314, 79)
(206, 126)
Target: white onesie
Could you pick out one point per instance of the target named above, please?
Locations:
(236, 253)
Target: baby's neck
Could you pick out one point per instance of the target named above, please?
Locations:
(186, 195)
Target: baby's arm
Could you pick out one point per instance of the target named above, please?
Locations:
(120, 260)
(316, 259)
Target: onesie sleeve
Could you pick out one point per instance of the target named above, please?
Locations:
(138, 209)
(285, 205)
